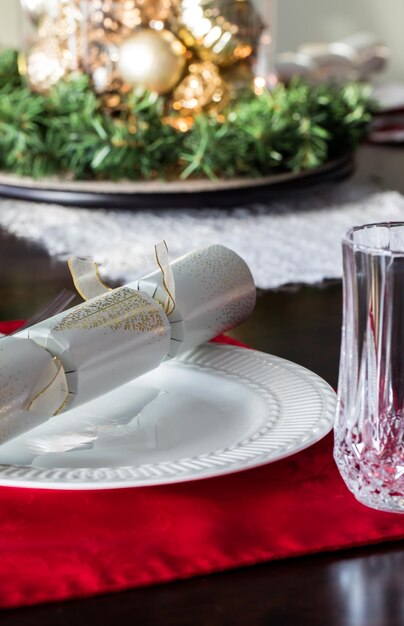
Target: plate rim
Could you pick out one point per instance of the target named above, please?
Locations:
(171, 195)
(16, 476)
(126, 187)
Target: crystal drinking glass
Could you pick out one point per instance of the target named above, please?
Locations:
(369, 427)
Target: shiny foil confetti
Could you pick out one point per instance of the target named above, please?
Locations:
(202, 88)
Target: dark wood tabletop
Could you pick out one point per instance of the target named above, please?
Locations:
(361, 587)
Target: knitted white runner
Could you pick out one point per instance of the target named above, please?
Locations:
(291, 242)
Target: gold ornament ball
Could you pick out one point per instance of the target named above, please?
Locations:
(201, 89)
(154, 59)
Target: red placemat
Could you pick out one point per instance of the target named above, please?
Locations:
(58, 545)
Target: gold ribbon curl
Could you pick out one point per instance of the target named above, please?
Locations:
(163, 261)
(88, 283)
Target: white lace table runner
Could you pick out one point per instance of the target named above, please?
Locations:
(291, 242)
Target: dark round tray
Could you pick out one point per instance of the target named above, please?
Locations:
(181, 194)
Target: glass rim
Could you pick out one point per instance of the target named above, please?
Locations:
(369, 249)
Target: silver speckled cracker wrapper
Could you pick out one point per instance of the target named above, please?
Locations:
(214, 292)
(105, 342)
(32, 385)
(101, 344)
(78, 355)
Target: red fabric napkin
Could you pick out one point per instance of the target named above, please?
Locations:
(58, 545)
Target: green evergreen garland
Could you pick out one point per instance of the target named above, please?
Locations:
(69, 133)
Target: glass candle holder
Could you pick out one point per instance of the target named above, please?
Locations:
(369, 427)
(264, 68)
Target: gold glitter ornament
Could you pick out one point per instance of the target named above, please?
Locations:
(239, 77)
(220, 31)
(55, 52)
(65, 26)
(243, 15)
(152, 59)
(118, 19)
(44, 67)
(157, 12)
(111, 20)
(202, 89)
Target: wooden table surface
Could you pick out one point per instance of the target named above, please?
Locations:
(361, 587)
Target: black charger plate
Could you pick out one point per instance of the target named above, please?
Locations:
(175, 194)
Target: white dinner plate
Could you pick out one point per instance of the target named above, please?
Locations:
(215, 410)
